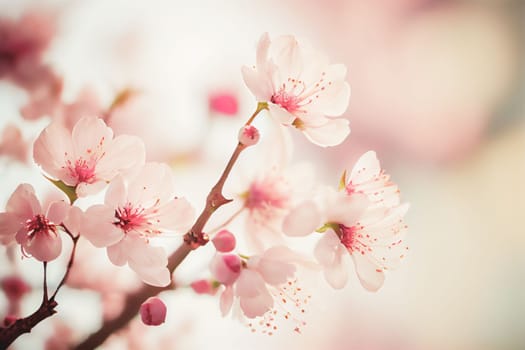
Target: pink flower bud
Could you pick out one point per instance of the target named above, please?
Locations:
(153, 312)
(14, 288)
(204, 287)
(226, 268)
(224, 102)
(224, 241)
(249, 135)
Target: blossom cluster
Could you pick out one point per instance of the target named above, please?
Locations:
(254, 267)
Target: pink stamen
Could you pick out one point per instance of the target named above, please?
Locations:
(129, 218)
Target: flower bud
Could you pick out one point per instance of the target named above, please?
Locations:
(224, 241)
(249, 135)
(226, 268)
(153, 312)
(204, 287)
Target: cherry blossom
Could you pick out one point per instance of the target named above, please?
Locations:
(23, 44)
(374, 241)
(367, 177)
(35, 230)
(12, 143)
(133, 214)
(224, 102)
(88, 157)
(266, 201)
(258, 283)
(363, 220)
(301, 88)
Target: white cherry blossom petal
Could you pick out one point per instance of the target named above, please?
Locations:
(98, 226)
(226, 300)
(23, 202)
(51, 149)
(257, 305)
(332, 133)
(302, 220)
(44, 246)
(370, 275)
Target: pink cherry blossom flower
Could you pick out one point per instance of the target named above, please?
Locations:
(132, 215)
(23, 44)
(35, 230)
(223, 102)
(262, 282)
(301, 88)
(88, 157)
(372, 236)
(153, 312)
(367, 177)
(266, 201)
(12, 143)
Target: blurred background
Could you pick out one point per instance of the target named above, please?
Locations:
(438, 91)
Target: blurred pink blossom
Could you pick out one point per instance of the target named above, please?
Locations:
(12, 144)
(301, 88)
(223, 102)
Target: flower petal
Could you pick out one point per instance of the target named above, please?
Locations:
(226, 300)
(249, 284)
(332, 133)
(90, 136)
(257, 305)
(98, 226)
(9, 226)
(370, 276)
(280, 114)
(23, 202)
(176, 215)
(302, 220)
(124, 153)
(149, 262)
(57, 211)
(152, 184)
(51, 149)
(44, 246)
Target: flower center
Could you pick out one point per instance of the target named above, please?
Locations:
(39, 224)
(348, 236)
(288, 101)
(129, 218)
(266, 194)
(82, 170)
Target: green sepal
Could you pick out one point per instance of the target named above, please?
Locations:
(326, 227)
(70, 191)
(342, 181)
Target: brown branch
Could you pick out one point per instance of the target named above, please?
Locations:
(24, 325)
(47, 309)
(193, 239)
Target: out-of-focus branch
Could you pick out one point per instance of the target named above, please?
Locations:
(24, 325)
